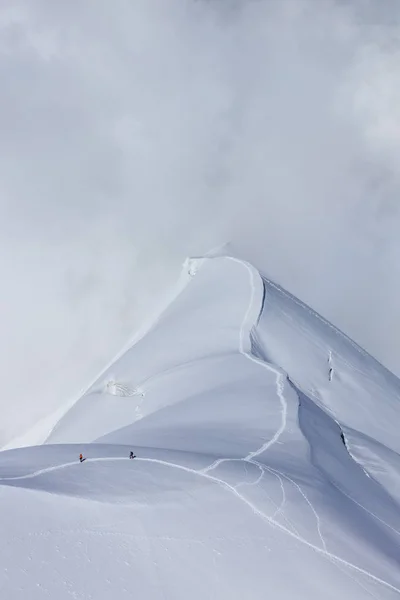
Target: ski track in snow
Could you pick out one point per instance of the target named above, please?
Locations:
(296, 485)
(230, 488)
(250, 483)
(263, 469)
(280, 508)
(245, 334)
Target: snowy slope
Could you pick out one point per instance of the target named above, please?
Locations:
(234, 402)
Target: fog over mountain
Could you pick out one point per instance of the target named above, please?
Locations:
(134, 134)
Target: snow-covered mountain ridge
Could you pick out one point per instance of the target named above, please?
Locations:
(267, 461)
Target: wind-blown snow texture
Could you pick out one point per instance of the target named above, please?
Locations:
(267, 461)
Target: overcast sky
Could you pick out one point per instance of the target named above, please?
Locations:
(134, 133)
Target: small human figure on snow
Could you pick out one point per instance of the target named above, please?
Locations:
(131, 455)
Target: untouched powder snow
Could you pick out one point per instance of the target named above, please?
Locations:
(267, 461)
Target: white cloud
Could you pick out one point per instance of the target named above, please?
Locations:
(134, 134)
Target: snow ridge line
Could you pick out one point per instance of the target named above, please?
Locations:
(314, 313)
(245, 338)
(246, 335)
(235, 492)
(335, 329)
(296, 386)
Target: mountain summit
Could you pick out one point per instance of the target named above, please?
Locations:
(266, 461)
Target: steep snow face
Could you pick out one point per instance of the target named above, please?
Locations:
(266, 461)
(338, 376)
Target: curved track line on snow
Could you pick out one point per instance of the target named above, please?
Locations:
(56, 468)
(317, 518)
(250, 483)
(263, 469)
(280, 379)
(278, 509)
(256, 511)
(245, 335)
